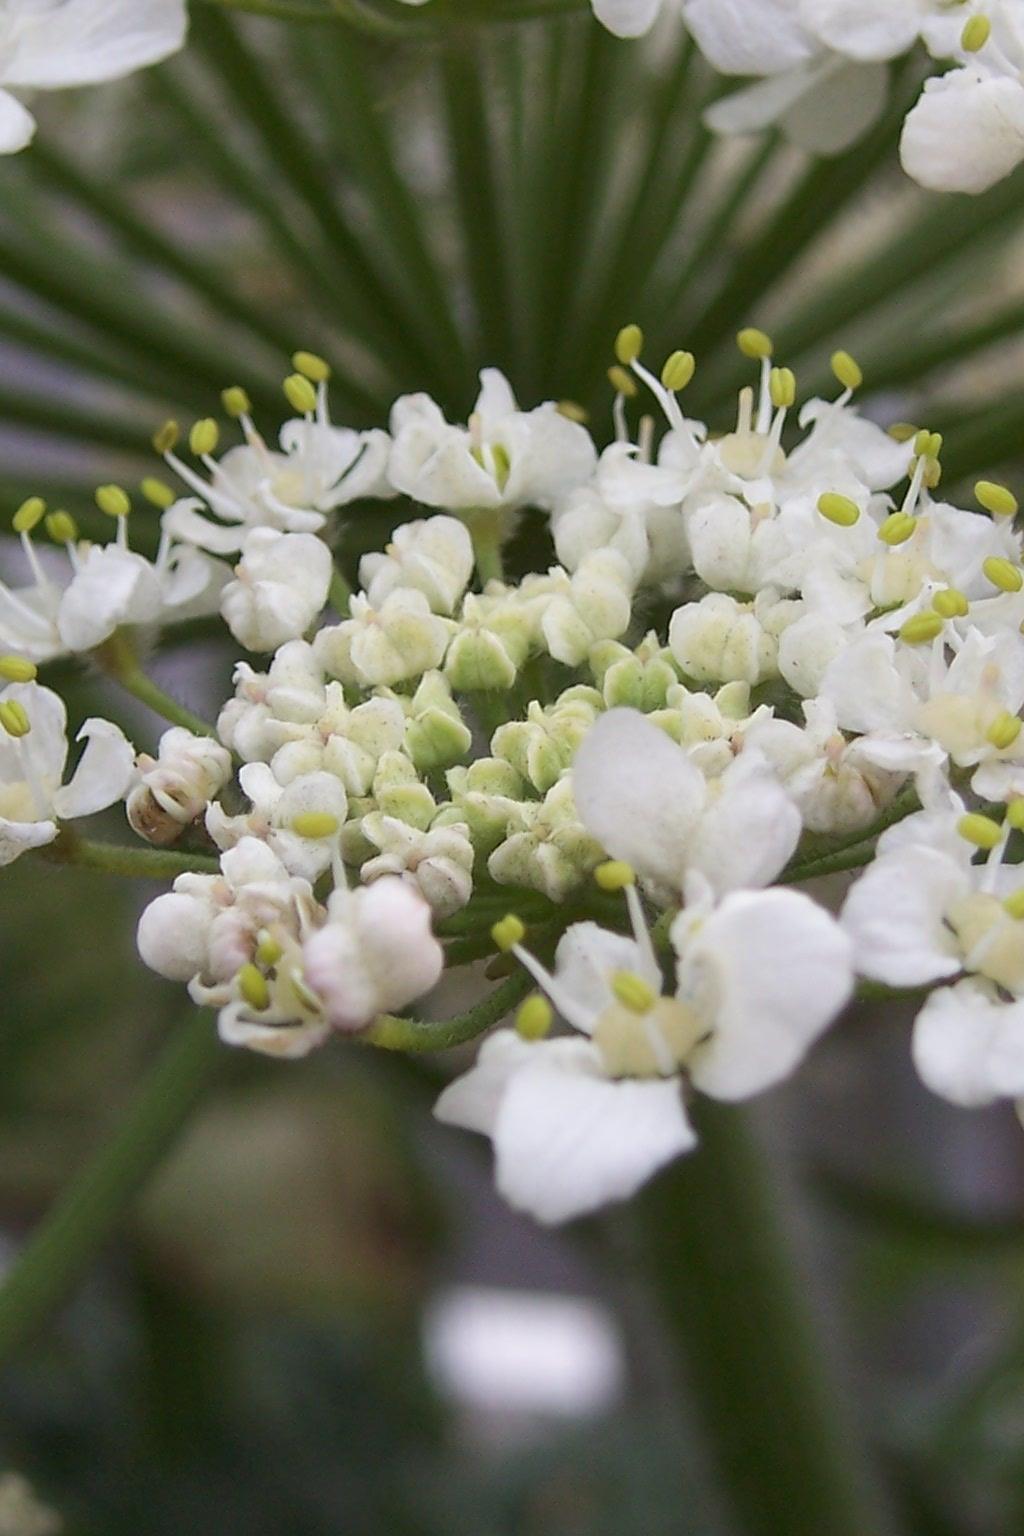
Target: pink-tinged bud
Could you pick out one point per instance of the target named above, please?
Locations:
(376, 953)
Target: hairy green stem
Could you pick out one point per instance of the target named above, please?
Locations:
(118, 658)
(114, 859)
(855, 852)
(394, 1034)
(63, 1246)
(340, 594)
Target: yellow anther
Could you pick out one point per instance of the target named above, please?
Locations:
(629, 343)
(15, 669)
(167, 437)
(14, 718)
(573, 411)
(1004, 730)
(928, 445)
(312, 366)
(204, 437)
(679, 369)
(902, 431)
(113, 500)
(253, 986)
(1014, 904)
(847, 370)
(508, 932)
(1003, 573)
(268, 950)
(782, 388)
(315, 824)
(300, 394)
(157, 492)
(951, 603)
(28, 514)
(897, 528)
(932, 473)
(633, 992)
(62, 527)
(622, 382)
(1015, 815)
(754, 343)
(996, 498)
(614, 875)
(976, 33)
(982, 831)
(838, 509)
(236, 402)
(921, 628)
(534, 1018)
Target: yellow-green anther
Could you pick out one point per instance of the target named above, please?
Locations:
(996, 498)
(921, 628)
(312, 366)
(315, 824)
(838, 509)
(62, 527)
(1014, 904)
(534, 1019)
(268, 950)
(204, 436)
(236, 402)
(928, 445)
(633, 992)
(932, 473)
(629, 343)
(622, 382)
(1003, 573)
(951, 603)
(1015, 814)
(976, 33)
(902, 431)
(754, 343)
(166, 438)
(679, 369)
(1004, 730)
(300, 394)
(614, 875)
(113, 500)
(28, 514)
(897, 528)
(573, 411)
(980, 830)
(157, 492)
(13, 718)
(508, 932)
(253, 986)
(16, 669)
(847, 370)
(782, 388)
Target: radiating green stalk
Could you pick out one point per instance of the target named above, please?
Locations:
(394, 1034)
(53, 339)
(60, 1251)
(119, 659)
(909, 1217)
(137, 863)
(721, 1255)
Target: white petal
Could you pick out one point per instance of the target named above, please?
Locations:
(472, 1101)
(965, 133)
(17, 837)
(739, 38)
(969, 1047)
(627, 18)
(83, 41)
(865, 29)
(894, 915)
(17, 126)
(776, 969)
(638, 794)
(103, 775)
(749, 833)
(172, 935)
(586, 957)
(287, 1042)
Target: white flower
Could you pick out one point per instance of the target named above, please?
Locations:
(439, 862)
(631, 507)
(33, 797)
(375, 953)
(433, 555)
(280, 586)
(966, 131)
(504, 458)
(50, 44)
(399, 640)
(577, 1123)
(173, 789)
(721, 640)
(646, 802)
(299, 822)
(593, 604)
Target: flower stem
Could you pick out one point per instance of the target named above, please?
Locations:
(854, 852)
(782, 1436)
(394, 1034)
(65, 1243)
(114, 859)
(340, 594)
(118, 658)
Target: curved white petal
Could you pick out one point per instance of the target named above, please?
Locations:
(102, 776)
(627, 18)
(749, 833)
(894, 915)
(969, 1047)
(739, 38)
(865, 29)
(17, 126)
(84, 41)
(17, 837)
(965, 133)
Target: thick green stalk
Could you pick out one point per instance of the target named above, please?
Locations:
(61, 1249)
(395, 1034)
(118, 659)
(136, 863)
(750, 1346)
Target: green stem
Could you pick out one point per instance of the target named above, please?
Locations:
(394, 1034)
(63, 1246)
(487, 549)
(136, 863)
(855, 852)
(118, 659)
(787, 1453)
(340, 594)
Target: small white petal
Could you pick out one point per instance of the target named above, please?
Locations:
(969, 1047)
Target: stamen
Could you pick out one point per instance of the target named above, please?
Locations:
(16, 669)
(1003, 573)
(980, 830)
(847, 371)
(268, 950)
(300, 394)
(158, 493)
(315, 824)
(252, 984)
(950, 603)
(14, 718)
(204, 437)
(236, 402)
(629, 344)
(996, 499)
(1004, 730)
(614, 875)
(921, 628)
(312, 366)
(633, 992)
(534, 1018)
(509, 932)
(838, 509)
(897, 528)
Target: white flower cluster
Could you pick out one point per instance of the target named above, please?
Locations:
(824, 78)
(756, 650)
